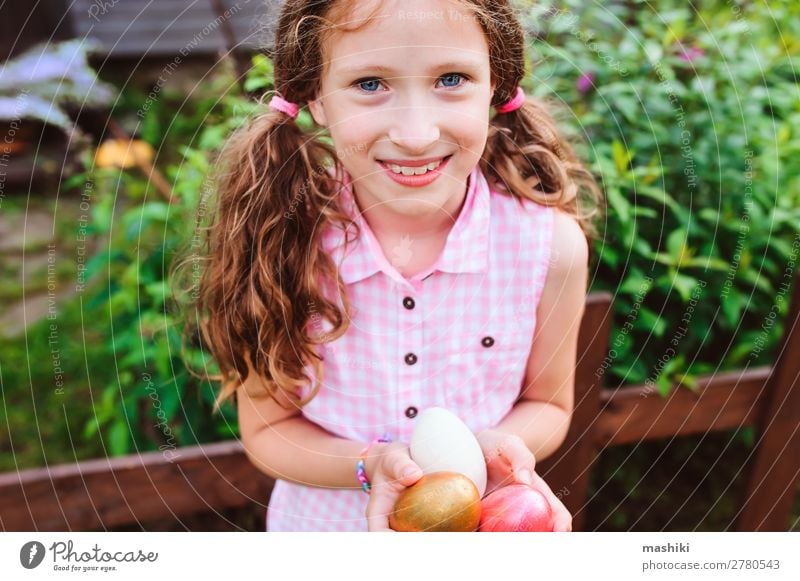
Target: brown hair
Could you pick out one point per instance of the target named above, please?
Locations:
(261, 285)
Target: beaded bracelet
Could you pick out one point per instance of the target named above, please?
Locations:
(361, 473)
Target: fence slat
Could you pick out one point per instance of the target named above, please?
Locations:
(774, 468)
(722, 401)
(105, 493)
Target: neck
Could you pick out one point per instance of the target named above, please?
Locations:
(388, 225)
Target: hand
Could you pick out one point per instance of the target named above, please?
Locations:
(509, 461)
(390, 470)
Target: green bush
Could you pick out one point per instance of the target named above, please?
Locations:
(690, 118)
(158, 398)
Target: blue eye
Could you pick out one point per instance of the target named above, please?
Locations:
(451, 76)
(371, 82)
(365, 82)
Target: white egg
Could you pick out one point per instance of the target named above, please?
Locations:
(441, 441)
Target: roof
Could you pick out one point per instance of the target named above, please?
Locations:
(135, 28)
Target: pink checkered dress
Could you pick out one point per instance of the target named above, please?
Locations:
(457, 336)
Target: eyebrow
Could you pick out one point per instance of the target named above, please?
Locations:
(384, 70)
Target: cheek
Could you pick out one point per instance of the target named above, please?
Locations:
(353, 134)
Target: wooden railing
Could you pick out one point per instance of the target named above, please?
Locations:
(108, 493)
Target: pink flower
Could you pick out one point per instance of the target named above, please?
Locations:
(691, 54)
(585, 83)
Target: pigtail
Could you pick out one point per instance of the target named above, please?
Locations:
(529, 157)
(261, 284)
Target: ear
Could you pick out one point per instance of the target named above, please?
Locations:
(318, 112)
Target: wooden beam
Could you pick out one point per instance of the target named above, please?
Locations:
(104, 493)
(774, 467)
(723, 401)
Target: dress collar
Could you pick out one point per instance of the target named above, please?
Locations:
(466, 248)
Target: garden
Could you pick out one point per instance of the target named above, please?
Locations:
(688, 115)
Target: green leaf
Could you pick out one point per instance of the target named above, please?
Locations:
(684, 285)
(90, 429)
(119, 438)
(663, 384)
(658, 195)
(686, 380)
(158, 291)
(645, 212)
(653, 321)
(635, 284)
(676, 244)
(622, 157)
(621, 206)
(609, 255)
(757, 280)
(732, 304)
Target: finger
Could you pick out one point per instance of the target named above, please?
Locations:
(562, 518)
(379, 507)
(402, 471)
(520, 459)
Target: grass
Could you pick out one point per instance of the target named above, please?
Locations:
(44, 424)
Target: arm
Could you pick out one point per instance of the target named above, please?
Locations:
(541, 417)
(283, 444)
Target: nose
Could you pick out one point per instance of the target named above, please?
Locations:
(414, 129)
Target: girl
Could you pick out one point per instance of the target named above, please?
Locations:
(421, 253)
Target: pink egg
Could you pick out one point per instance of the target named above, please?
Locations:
(516, 508)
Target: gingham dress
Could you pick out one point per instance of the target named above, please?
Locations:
(457, 335)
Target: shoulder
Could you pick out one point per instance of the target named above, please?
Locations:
(570, 248)
(569, 252)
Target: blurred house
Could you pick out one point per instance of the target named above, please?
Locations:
(140, 28)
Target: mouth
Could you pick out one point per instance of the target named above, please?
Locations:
(416, 170)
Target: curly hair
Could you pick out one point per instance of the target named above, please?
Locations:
(264, 272)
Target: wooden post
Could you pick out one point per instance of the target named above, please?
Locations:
(567, 470)
(774, 466)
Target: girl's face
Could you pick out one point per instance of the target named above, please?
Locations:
(413, 84)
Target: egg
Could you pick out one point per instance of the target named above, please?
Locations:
(442, 442)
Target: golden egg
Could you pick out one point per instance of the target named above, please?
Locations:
(438, 502)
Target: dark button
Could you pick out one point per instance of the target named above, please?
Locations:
(411, 359)
(408, 303)
(411, 412)
(487, 341)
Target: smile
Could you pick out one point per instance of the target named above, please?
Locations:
(415, 176)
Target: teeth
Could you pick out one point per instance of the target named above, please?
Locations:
(418, 171)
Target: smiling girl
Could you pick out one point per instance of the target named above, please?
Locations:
(435, 255)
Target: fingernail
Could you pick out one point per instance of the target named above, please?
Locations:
(409, 472)
(524, 476)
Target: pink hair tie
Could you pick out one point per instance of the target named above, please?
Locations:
(278, 103)
(514, 104)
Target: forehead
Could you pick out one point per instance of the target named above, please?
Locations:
(403, 35)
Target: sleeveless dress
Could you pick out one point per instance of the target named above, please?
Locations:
(457, 335)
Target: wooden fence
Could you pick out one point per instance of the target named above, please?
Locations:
(117, 492)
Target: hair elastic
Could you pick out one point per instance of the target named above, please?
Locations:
(278, 103)
(361, 472)
(515, 103)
